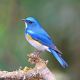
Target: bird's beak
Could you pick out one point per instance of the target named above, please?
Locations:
(23, 19)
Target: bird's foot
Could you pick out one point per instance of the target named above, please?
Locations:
(37, 53)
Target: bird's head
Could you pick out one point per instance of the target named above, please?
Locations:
(30, 21)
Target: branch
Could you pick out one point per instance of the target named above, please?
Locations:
(39, 72)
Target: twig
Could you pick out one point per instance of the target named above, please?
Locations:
(39, 72)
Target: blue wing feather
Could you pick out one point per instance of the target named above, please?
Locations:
(41, 37)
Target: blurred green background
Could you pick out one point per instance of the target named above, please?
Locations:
(60, 18)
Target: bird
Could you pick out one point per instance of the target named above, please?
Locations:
(40, 39)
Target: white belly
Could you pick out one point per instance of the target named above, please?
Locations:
(36, 44)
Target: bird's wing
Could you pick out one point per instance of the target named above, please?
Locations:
(40, 37)
(44, 39)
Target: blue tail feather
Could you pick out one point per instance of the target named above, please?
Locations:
(59, 58)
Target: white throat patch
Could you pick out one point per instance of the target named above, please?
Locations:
(26, 24)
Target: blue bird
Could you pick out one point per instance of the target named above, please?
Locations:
(39, 38)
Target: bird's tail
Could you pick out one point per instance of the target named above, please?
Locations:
(59, 58)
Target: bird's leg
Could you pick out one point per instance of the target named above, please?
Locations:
(37, 53)
(34, 57)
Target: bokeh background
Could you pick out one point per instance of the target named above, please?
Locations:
(60, 18)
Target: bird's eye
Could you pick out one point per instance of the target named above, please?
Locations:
(30, 22)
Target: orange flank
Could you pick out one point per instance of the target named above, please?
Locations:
(29, 38)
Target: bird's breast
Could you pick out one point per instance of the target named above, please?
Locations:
(35, 43)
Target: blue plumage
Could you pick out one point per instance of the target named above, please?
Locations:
(35, 30)
(59, 58)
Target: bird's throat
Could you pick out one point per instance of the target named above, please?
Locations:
(26, 25)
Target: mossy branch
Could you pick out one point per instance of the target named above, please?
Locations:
(39, 72)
